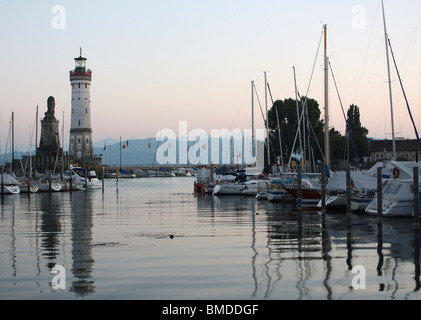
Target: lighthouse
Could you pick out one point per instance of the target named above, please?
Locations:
(81, 146)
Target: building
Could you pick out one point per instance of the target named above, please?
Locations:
(406, 150)
(80, 131)
(81, 148)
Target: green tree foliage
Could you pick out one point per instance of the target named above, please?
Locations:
(337, 144)
(286, 110)
(358, 133)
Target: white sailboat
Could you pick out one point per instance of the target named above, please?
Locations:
(44, 185)
(363, 184)
(229, 184)
(9, 184)
(397, 192)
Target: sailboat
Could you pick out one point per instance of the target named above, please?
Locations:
(9, 184)
(308, 189)
(397, 193)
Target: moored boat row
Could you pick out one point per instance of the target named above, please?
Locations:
(75, 178)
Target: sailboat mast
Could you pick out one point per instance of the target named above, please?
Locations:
(390, 83)
(36, 143)
(62, 149)
(267, 119)
(326, 75)
(253, 152)
(13, 142)
(298, 111)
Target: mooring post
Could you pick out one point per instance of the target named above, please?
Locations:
(323, 185)
(416, 199)
(116, 181)
(71, 180)
(348, 193)
(86, 178)
(2, 183)
(299, 190)
(379, 196)
(102, 173)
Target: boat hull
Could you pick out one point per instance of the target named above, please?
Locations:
(11, 189)
(230, 189)
(307, 195)
(395, 208)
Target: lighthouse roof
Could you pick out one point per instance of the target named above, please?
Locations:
(80, 58)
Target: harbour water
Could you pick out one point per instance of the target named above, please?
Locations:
(152, 238)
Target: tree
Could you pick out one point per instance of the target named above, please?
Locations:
(358, 133)
(285, 111)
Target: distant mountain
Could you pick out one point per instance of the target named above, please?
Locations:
(101, 143)
(142, 152)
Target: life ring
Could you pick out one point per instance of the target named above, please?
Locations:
(395, 173)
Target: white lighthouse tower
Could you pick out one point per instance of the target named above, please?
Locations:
(81, 146)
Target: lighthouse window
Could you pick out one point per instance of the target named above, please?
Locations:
(86, 86)
(86, 110)
(73, 111)
(78, 140)
(79, 85)
(79, 125)
(87, 140)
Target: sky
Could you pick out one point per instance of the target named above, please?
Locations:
(156, 63)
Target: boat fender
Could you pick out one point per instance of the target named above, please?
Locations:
(395, 173)
(352, 184)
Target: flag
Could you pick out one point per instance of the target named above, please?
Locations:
(126, 145)
(149, 145)
(105, 146)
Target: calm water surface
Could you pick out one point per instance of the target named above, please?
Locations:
(153, 239)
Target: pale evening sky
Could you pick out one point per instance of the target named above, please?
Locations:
(159, 62)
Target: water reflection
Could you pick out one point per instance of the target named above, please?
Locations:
(83, 262)
(280, 235)
(50, 228)
(417, 259)
(225, 247)
(327, 258)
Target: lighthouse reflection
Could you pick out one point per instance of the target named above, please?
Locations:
(55, 210)
(83, 262)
